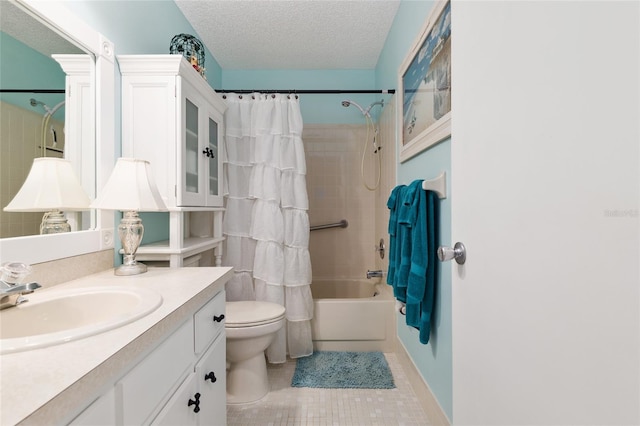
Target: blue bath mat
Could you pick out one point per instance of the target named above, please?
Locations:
(352, 370)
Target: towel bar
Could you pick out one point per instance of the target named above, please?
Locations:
(342, 224)
(437, 185)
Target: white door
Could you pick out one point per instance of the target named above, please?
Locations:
(545, 189)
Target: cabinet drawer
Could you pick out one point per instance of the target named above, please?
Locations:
(209, 322)
(155, 378)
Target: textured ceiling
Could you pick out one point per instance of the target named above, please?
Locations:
(292, 34)
(24, 27)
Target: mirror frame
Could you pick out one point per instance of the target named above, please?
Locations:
(44, 248)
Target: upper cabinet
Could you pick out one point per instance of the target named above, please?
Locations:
(172, 118)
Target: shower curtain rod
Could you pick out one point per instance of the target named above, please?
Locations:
(308, 92)
(31, 90)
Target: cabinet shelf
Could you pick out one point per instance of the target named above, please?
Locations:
(162, 250)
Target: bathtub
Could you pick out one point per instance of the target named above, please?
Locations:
(351, 315)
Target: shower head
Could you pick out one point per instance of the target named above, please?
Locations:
(347, 103)
(34, 103)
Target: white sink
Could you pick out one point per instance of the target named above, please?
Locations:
(57, 316)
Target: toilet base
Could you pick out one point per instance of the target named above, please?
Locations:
(247, 380)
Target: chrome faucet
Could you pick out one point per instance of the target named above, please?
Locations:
(11, 291)
(11, 294)
(372, 274)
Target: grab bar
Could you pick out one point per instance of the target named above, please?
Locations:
(342, 224)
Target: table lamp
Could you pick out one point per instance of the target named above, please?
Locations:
(130, 189)
(51, 187)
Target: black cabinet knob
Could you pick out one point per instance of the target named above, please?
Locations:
(209, 152)
(210, 376)
(218, 318)
(195, 402)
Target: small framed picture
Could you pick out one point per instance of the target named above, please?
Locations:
(424, 82)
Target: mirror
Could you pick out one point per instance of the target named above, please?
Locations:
(88, 135)
(32, 100)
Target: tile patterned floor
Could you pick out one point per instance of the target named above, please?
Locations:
(287, 406)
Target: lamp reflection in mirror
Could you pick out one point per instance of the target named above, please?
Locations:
(51, 187)
(130, 189)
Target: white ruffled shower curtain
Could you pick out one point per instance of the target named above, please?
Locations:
(266, 224)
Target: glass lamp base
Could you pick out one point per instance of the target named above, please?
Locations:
(130, 231)
(135, 269)
(54, 222)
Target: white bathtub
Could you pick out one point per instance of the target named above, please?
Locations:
(353, 316)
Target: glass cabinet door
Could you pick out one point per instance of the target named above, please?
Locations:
(201, 152)
(213, 158)
(191, 169)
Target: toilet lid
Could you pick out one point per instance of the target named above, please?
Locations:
(252, 313)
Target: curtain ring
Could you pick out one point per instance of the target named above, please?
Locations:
(253, 97)
(273, 96)
(239, 96)
(288, 96)
(224, 96)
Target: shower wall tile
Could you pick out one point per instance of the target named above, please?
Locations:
(336, 192)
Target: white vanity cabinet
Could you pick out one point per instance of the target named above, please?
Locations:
(172, 118)
(180, 382)
(101, 412)
(176, 384)
(132, 374)
(201, 399)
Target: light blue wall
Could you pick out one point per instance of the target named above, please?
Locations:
(434, 360)
(315, 108)
(24, 68)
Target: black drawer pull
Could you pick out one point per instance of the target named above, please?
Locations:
(196, 403)
(210, 376)
(218, 318)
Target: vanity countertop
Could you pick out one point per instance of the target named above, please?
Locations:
(42, 386)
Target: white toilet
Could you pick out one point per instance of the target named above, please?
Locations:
(251, 327)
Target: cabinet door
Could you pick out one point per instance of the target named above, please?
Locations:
(191, 162)
(100, 412)
(213, 149)
(142, 390)
(185, 406)
(212, 375)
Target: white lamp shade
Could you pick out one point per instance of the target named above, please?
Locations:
(50, 185)
(130, 188)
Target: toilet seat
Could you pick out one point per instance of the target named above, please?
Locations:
(252, 313)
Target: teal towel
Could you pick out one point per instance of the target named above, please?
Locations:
(428, 299)
(393, 203)
(414, 202)
(413, 264)
(406, 222)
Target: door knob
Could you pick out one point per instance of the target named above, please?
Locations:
(458, 252)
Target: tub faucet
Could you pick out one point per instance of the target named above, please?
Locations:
(11, 294)
(372, 274)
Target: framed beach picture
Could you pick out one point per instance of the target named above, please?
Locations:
(424, 82)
